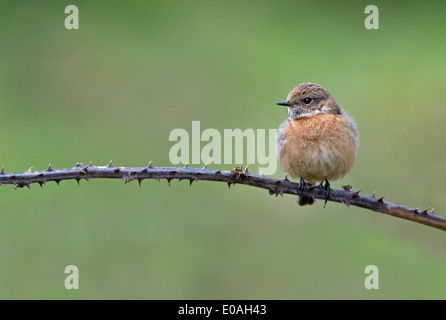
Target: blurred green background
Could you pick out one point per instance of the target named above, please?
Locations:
(134, 71)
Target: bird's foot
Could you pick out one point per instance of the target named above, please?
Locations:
(327, 191)
(302, 184)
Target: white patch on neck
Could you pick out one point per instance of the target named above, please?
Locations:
(310, 114)
(324, 109)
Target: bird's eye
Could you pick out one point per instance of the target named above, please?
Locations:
(307, 100)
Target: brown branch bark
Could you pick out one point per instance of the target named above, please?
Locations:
(236, 176)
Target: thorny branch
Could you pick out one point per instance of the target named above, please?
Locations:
(236, 176)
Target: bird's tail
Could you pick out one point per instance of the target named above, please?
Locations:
(305, 201)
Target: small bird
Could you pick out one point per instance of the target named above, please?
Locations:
(318, 142)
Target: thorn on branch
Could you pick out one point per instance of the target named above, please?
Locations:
(127, 179)
(346, 202)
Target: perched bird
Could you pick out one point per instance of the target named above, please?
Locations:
(318, 142)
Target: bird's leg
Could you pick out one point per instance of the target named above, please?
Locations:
(302, 184)
(327, 191)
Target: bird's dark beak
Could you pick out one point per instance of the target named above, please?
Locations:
(284, 103)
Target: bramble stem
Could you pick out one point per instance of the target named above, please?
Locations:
(236, 176)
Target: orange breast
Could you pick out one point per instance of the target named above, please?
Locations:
(317, 148)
